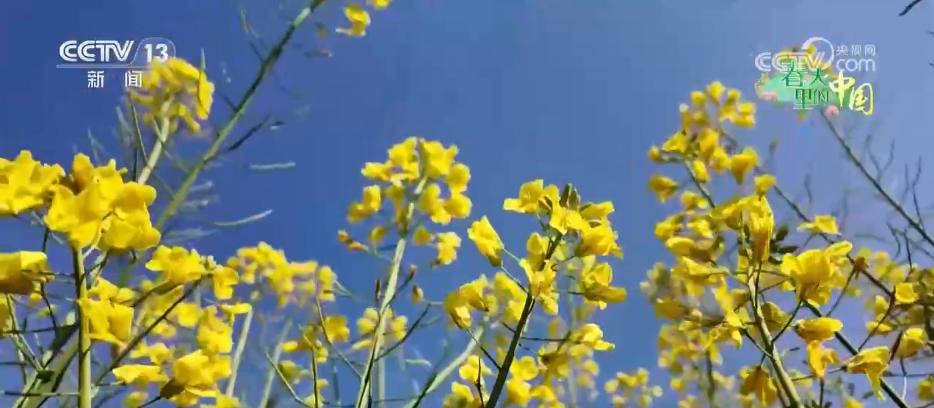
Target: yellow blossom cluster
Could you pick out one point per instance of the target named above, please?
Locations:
(95, 206)
(359, 18)
(626, 387)
(564, 254)
(26, 184)
(714, 293)
(177, 330)
(174, 91)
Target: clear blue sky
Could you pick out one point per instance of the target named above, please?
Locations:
(561, 90)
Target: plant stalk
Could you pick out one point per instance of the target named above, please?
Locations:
(84, 333)
(783, 378)
(363, 395)
(238, 353)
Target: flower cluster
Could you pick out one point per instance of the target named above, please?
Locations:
(710, 296)
(95, 206)
(359, 18)
(174, 91)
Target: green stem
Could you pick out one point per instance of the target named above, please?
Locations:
(527, 309)
(238, 353)
(711, 384)
(783, 378)
(274, 370)
(84, 333)
(364, 391)
(572, 378)
(380, 382)
(363, 394)
(162, 137)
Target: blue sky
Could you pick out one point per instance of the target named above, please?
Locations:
(564, 91)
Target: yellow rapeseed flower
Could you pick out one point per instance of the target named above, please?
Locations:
(482, 234)
(25, 183)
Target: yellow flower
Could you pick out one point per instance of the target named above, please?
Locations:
(25, 183)
(926, 389)
(418, 294)
(487, 240)
(708, 140)
(459, 302)
(140, 374)
(764, 183)
(591, 336)
(380, 4)
(315, 400)
(530, 194)
(872, 362)
(849, 402)
(517, 393)
(819, 357)
(655, 154)
(224, 280)
(698, 99)
(187, 314)
(110, 322)
(177, 265)
(700, 171)
(104, 208)
(359, 20)
(524, 369)
(195, 376)
(129, 227)
(715, 90)
(291, 372)
(231, 310)
(677, 143)
(458, 206)
(817, 330)
(214, 335)
(564, 219)
(913, 341)
(135, 399)
(473, 370)
(595, 286)
(174, 91)
(812, 271)
(367, 323)
(21, 270)
(761, 223)
(597, 211)
(720, 160)
(730, 329)
(458, 178)
(743, 163)
(823, 224)
(422, 236)
(335, 329)
(371, 204)
(905, 293)
(663, 187)
(759, 382)
(542, 284)
(437, 159)
(448, 243)
(462, 397)
(434, 206)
